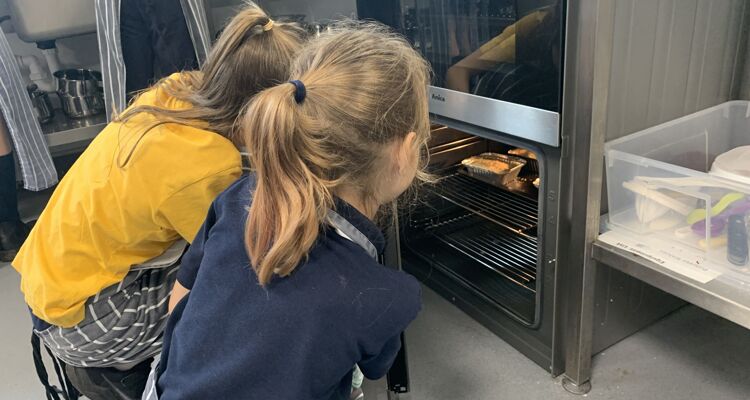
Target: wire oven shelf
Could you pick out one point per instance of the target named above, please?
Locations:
(512, 211)
(506, 253)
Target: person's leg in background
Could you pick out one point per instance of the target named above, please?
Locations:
(155, 41)
(173, 48)
(137, 51)
(12, 231)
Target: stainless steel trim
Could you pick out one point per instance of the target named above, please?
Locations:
(589, 46)
(526, 122)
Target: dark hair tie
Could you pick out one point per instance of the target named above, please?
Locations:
(300, 92)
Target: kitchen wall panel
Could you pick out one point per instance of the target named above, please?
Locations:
(671, 58)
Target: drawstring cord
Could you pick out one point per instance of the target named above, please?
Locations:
(51, 391)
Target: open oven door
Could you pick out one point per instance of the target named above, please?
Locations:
(398, 375)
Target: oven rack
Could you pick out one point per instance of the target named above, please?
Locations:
(512, 211)
(506, 253)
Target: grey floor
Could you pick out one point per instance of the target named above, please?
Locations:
(689, 355)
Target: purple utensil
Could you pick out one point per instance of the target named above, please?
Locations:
(719, 222)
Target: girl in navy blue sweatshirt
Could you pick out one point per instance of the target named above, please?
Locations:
(281, 294)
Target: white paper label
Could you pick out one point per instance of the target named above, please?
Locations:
(686, 262)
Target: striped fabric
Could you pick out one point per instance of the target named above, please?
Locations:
(110, 54)
(110, 49)
(197, 23)
(123, 323)
(37, 170)
(122, 326)
(150, 393)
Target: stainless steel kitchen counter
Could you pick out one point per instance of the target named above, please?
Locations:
(66, 134)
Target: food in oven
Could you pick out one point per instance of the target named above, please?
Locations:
(495, 169)
(523, 153)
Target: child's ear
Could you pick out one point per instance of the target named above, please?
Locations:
(406, 150)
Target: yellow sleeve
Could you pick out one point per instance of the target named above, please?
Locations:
(504, 52)
(506, 33)
(185, 210)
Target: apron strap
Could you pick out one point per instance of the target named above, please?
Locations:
(68, 391)
(352, 233)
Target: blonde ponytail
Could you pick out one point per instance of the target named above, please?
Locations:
(289, 201)
(355, 90)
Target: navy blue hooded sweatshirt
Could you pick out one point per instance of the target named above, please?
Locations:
(297, 338)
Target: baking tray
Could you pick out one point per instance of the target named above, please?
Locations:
(499, 178)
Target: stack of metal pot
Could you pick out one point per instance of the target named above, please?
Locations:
(80, 92)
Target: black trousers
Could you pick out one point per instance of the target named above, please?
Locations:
(155, 41)
(110, 383)
(8, 194)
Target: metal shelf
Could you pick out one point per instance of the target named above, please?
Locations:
(511, 255)
(512, 211)
(64, 132)
(720, 298)
(496, 264)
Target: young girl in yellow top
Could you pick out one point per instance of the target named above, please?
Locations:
(143, 184)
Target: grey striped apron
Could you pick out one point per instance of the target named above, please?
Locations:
(123, 323)
(37, 170)
(346, 230)
(110, 50)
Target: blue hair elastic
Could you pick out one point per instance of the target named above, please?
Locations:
(299, 90)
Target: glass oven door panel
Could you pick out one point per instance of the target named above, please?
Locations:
(502, 49)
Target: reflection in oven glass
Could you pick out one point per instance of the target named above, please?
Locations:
(503, 49)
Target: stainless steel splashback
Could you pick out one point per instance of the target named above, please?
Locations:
(671, 58)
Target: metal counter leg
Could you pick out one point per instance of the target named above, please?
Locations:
(577, 378)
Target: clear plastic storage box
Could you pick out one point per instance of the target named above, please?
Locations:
(660, 183)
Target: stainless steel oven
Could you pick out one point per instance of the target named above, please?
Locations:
(497, 63)
(516, 258)
(491, 249)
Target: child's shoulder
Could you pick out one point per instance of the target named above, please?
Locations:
(239, 191)
(355, 268)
